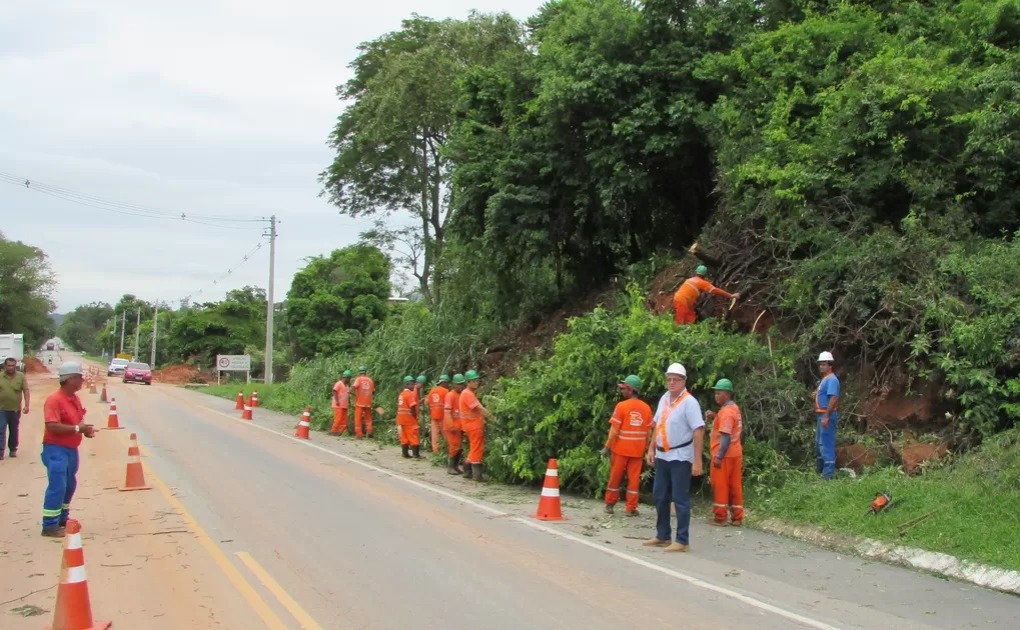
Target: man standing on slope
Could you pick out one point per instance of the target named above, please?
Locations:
(675, 451)
(472, 415)
(64, 415)
(452, 427)
(686, 297)
(407, 420)
(13, 388)
(436, 402)
(364, 388)
(341, 403)
(630, 427)
(826, 417)
(727, 457)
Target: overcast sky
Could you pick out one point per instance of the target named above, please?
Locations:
(210, 107)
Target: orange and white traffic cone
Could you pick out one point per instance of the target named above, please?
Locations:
(246, 413)
(111, 420)
(134, 479)
(102, 396)
(239, 403)
(74, 609)
(549, 503)
(92, 385)
(304, 424)
(254, 400)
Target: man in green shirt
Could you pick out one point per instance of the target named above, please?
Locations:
(12, 389)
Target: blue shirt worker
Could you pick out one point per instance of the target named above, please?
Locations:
(675, 451)
(826, 417)
(64, 416)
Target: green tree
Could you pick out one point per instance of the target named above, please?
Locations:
(198, 333)
(335, 300)
(26, 290)
(81, 327)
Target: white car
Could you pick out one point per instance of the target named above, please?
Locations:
(117, 366)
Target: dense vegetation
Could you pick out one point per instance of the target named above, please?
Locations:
(26, 290)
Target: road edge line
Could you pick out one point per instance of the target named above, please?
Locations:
(288, 602)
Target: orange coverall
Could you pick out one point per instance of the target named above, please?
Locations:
(473, 424)
(727, 486)
(686, 297)
(630, 427)
(407, 418)
(451, 423)
(364, 388)
(437, 402)
(342, 393)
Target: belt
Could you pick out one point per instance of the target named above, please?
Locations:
(664, 450)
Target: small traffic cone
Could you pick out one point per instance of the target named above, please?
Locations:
(254, 400)
(102, 396)
(74, 609)
(303, 424)
(246, 413)
(92, 385)
(549, 503)
(111, 420)
(239, 404)
(135, 477)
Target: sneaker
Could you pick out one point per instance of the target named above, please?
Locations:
(655, 542)
(608, 509)
(677, 547)
(633, 513)
(53, 532)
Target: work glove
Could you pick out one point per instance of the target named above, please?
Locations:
(605, 451)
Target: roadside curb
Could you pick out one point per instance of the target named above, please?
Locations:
(975, 573)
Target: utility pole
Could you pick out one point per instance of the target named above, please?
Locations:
(269, 301)
(155, 320)
(113, 348)
(123, 323)
(138, 330)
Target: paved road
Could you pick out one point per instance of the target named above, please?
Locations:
(337, 543)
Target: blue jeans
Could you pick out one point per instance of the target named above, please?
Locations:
(61, 467)
(825, 446)
(672, 484)
(9, 420)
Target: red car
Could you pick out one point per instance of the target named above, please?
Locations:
(138, 373)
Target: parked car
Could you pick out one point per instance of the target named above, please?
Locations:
(117, 366)
(138, 373)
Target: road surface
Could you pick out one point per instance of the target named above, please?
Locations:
(335, 534)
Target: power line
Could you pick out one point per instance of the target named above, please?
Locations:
(231, 270)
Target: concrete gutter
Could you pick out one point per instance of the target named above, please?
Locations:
(939, 563)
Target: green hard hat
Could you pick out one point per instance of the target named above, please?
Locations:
(701, 270)
(348, 373)
(634, 381)
(362, 370)
(443, 378)
(458, 379)
(408, 379)
(421, 378)
(724, 384)
(471, 375)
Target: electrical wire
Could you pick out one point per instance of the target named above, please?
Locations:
(229, 271)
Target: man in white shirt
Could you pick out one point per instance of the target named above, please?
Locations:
(675, 451)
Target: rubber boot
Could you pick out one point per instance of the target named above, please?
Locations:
(450, 470)
(467, 471)
(476, 472)
(416, 451)
(403, 451)
(456, 464)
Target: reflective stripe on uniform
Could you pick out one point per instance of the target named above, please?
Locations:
(46, 512)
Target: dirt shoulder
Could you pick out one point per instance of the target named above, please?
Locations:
(145, 568)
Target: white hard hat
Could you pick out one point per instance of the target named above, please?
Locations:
(677, 369)
(69, 369)
(826, 356)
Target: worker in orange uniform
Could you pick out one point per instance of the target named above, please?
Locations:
(686, 297)
(472, 415)
(341, 403)
(407, 420)
(727, 457)
(629, 429)
(452, 427)
(436, 403)
(364, 389)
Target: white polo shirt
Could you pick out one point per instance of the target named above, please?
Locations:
(683, 418)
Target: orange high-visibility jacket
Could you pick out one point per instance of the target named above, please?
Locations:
(437, 401)
(364, 387)
(728, 420)
(405, 402)
(631, 425)
(470, 415)
(451, 409)
(688, 293)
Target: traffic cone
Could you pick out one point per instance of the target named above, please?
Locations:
(549, 503)
(74, 609)
(135, 477)
(92, 385)
(303, 424)
(246, 413)
(111, 420)
(102, 397)
(239, 404)
(254, 400)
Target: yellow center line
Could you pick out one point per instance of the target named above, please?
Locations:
(274, 587)
(247, 591)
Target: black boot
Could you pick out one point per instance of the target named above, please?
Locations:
(456, 464)
(476, 472)
(416, 451)
(403, 451)
(451, 466)
(467, 471)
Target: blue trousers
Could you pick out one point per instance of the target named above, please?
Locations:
(825, 446)
(672, 484)
(61, 470)
(9, 421)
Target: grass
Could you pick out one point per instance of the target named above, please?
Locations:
(278, 397)
(975, 500)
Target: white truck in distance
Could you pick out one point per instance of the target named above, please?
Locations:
(13, 345)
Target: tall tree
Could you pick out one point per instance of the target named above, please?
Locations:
(81, 327)
(26, 290)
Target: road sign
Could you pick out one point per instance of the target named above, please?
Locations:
(233, 362)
